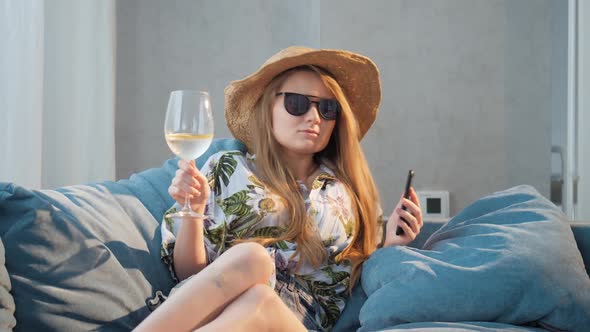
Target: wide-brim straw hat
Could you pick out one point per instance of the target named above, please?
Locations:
(356, 74)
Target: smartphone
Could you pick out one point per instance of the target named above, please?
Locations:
(399, 230)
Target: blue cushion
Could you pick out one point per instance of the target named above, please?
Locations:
(509, 257)
(461, 327)
(582, 235)
(87, 257)
(349, 319)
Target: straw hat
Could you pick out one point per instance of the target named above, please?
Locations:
(357, 75)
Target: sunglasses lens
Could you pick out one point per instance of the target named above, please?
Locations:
(329, 108)
(296, 104)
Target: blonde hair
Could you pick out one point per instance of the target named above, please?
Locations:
(343, 155)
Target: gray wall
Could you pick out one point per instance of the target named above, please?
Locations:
(528, 92)
(467, 85)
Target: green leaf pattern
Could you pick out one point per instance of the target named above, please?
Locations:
(222, 171)
(329, 286)
(236, 204)
(267, 232)
(169, 221)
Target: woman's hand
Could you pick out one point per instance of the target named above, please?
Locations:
(189, 181)
(413, 217)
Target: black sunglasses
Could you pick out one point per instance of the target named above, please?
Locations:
(297, 104)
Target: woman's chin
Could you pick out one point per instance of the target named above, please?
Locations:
(304, 148)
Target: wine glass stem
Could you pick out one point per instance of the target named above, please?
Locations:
(187, 205)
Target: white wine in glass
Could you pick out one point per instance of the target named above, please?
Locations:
(189, 131)
(186, 146)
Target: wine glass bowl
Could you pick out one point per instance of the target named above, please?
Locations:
(188, 146)
(188, 130)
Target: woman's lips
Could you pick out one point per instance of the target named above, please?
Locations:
(311, 133)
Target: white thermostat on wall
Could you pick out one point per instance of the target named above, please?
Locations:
(434, 203)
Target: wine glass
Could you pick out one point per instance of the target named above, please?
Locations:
(188, 129)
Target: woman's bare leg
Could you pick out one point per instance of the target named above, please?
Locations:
(207, 293)
(257, 309)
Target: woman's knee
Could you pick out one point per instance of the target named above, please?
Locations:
(262, 297)
(261, 294)
(253, 259)
(268, 311)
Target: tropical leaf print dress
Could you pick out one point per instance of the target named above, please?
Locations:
(240, 207)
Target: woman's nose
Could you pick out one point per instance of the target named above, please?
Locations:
(314, 113)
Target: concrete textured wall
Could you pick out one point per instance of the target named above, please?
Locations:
(468, 85)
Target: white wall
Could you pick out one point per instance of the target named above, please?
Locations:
(583, 206)
(467, 85)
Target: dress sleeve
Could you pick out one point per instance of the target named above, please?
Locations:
(169, 228)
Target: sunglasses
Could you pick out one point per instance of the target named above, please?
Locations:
(297, 104)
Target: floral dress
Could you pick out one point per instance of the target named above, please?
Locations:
(240, 207)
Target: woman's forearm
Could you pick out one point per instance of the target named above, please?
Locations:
(190, 255)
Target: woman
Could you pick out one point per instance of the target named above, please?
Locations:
(291, 222)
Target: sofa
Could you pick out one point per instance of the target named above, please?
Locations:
(87, 258)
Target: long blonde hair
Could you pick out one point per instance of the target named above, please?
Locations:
(343, 155)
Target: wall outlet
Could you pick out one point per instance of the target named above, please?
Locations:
(434, 204)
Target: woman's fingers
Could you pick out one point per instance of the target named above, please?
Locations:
(414, 197)
(176, 193)
(187, 181)
(188, 167)
(180, 191)
(184, 177)
(409, 219)
(413, 209)
(408, 216)
(188, 189)
(188, 173)
(408, 231)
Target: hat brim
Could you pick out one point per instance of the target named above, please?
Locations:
(357, 75)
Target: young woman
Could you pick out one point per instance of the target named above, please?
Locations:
(291, 221)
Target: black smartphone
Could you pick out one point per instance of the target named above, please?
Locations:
(399, 230)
